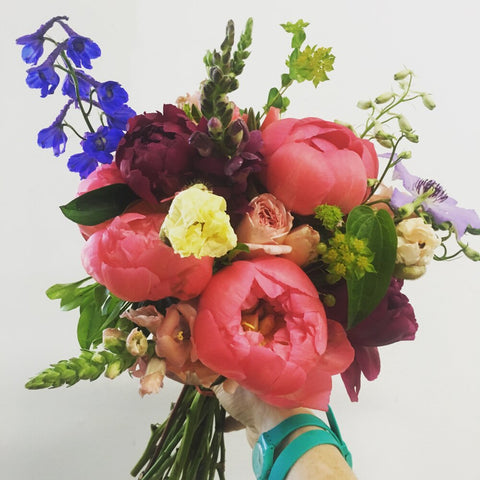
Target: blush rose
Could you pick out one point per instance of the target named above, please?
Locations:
(323, 162)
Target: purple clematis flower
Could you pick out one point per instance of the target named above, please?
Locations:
(442, 207)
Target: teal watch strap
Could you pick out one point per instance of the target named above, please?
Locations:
(290, 424)
(295, 449)
(264, 449)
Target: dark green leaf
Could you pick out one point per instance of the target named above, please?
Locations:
(99, 205)
(286, 80)
(378, 229)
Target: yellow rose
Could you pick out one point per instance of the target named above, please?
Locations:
(197, 224)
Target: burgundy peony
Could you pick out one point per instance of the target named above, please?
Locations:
(262, 324)
(392, 321)
(155, 157)
(324, 162)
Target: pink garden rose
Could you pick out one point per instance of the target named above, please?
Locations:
(261, 323)
(266, 224)
(312, 162)
(129, 258)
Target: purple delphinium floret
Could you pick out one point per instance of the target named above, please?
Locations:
(442, 207)
(44, 76)
(33, 43)
(101, 143)
(111, 96)
(54, 136)
(82, 163)
(68, 87)
(80, 49)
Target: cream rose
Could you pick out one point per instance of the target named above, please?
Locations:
(303, 240)
(416, 242)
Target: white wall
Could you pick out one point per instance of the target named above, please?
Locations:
(420, 418)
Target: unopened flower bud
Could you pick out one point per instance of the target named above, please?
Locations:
(202, 142)
(409, 273)
(411, 137)
(329, 300)
(137, 343)
(238, 132)
(384, 97)
(404, 124)
(345, 124)
(428, 101)
(114, 339)
(215, 126)
(402, 74)
(406, 154)
(471, 254)
(364, 104)
(114, 369)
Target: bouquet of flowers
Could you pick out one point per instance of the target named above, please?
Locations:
(232, 244)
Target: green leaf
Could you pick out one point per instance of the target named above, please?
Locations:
(377, 228)
(298, 31)
(71, 295)
(99, 205)
(274, 98)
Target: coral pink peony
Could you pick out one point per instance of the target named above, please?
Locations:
(312, 162)
(129, 258)
(262, 324)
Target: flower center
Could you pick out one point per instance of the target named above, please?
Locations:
(262, 318)
(424, 185)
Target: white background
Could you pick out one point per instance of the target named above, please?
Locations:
(420, 418)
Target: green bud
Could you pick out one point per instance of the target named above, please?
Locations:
(384, 97)
(406, 154)
(411, 137)
(364, 104)
(371, 182)
(471, 254)
(114, 369)
(404, 124)
(321, 248)
(409, 273)
(402, 74)
(428, 101)
(329, 300)
(387, 143)
(114, 339)
(345, 124)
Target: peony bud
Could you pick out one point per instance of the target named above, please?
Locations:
(137, 344)
(384, 97)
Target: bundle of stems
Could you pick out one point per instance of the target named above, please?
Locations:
(189, 444)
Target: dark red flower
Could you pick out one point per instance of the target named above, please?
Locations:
(392, 321)
(155, 157)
